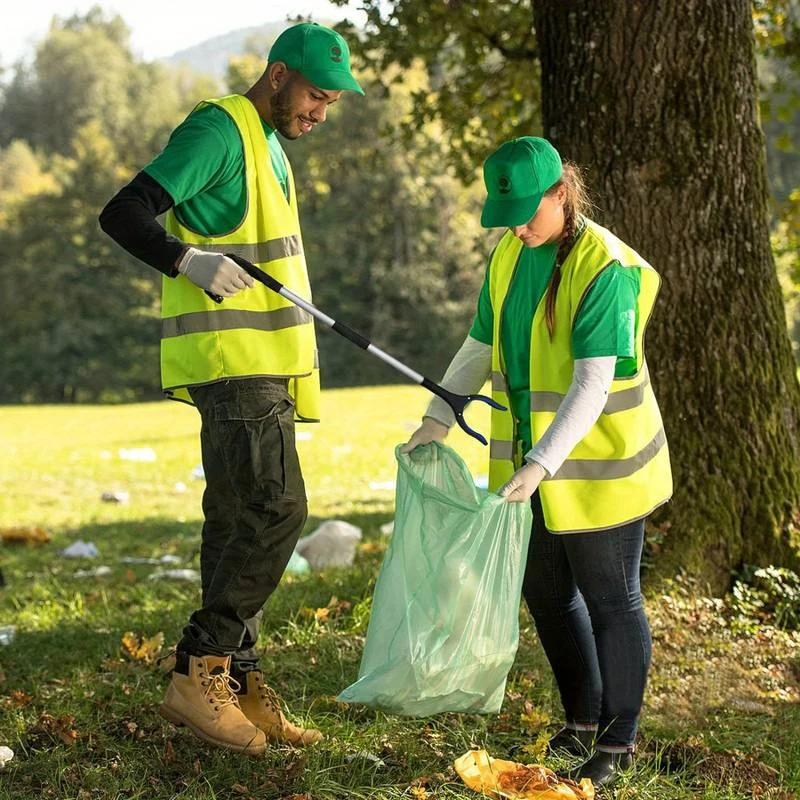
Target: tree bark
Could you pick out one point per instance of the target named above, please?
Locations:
(658, 101)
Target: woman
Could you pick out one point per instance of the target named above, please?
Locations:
(560, 328)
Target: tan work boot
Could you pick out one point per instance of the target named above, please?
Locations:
(262, 706)
(205, 702)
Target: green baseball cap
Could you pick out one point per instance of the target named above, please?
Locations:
(320, 54)
(516, 175)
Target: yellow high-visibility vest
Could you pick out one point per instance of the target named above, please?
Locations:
(620, 471)
(257, 332)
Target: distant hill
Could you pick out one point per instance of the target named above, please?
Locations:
(211, 56)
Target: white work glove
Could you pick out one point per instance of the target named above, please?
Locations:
(213, 272)
(523, 483)
(430, 431)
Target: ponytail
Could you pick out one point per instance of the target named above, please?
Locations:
(575, 205)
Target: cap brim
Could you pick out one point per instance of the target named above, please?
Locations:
(334, 80)
(499, 213)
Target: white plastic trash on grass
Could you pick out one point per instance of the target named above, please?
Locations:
(6, 754)
(191, 575)
(7, 634)
(333, 544)
(115, 497)
(97, 572)
(81, 549)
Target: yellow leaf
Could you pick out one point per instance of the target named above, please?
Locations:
(140, 648)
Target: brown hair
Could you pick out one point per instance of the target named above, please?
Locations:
(576, 204)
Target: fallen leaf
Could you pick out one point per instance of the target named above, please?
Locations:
(169, 752)
(30, 535)
(239, 788)
(19, 699)
(140, 648)
(57, 727)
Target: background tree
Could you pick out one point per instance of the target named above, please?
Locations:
(659, 102)
(82, 321)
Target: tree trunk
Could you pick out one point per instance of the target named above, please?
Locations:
(658, 102)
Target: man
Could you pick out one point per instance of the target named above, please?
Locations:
(248, 363)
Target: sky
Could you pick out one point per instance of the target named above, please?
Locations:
(158, 27)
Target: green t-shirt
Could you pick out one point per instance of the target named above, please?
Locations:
(605, 324)
(202, 168)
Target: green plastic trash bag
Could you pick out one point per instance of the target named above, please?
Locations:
(445, 614)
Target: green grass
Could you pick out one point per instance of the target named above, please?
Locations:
(722, 715)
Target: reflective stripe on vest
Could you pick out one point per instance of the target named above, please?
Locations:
(619, 401)
(258, 331)
(229, 319)
(620, 470)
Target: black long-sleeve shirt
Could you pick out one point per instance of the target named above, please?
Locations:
(129, 218)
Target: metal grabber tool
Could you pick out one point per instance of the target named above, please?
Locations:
(458, 402)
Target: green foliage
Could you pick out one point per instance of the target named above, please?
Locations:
(770, 594)
(481, 61)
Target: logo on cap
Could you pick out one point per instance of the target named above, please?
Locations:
(336, 53)
(504, 184)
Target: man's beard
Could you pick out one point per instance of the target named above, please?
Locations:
(282, 114)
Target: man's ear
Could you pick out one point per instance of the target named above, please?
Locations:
(277, 74)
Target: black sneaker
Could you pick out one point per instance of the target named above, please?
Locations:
(572, 741)
(602, 768)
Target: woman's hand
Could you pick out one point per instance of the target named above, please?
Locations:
(431, 430)
(523, 483)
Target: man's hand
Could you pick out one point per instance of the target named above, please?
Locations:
(523, 483)
(213, 272)
(431, 430)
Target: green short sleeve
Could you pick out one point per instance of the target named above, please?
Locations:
(205, 150)
(607, 319)
(483, 325)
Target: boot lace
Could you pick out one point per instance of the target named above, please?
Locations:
(269, 696)
(221, 689)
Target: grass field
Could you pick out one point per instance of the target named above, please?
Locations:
(722, 714)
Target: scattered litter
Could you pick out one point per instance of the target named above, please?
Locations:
(6, 754)
(97, 572)
(493, 777)
(363, 755)
(387, 529)
(382, 485)
(167, 559)
(137, 453)
(198, 474)
(482, 481)
(303, 436)
(333, 544)
(180, 487)
(31, 534)
(297, 564)
(81, 549)
(176, 575)
(115, 497)
(7, 633)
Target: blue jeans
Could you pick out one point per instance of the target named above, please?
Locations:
(583, 592)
